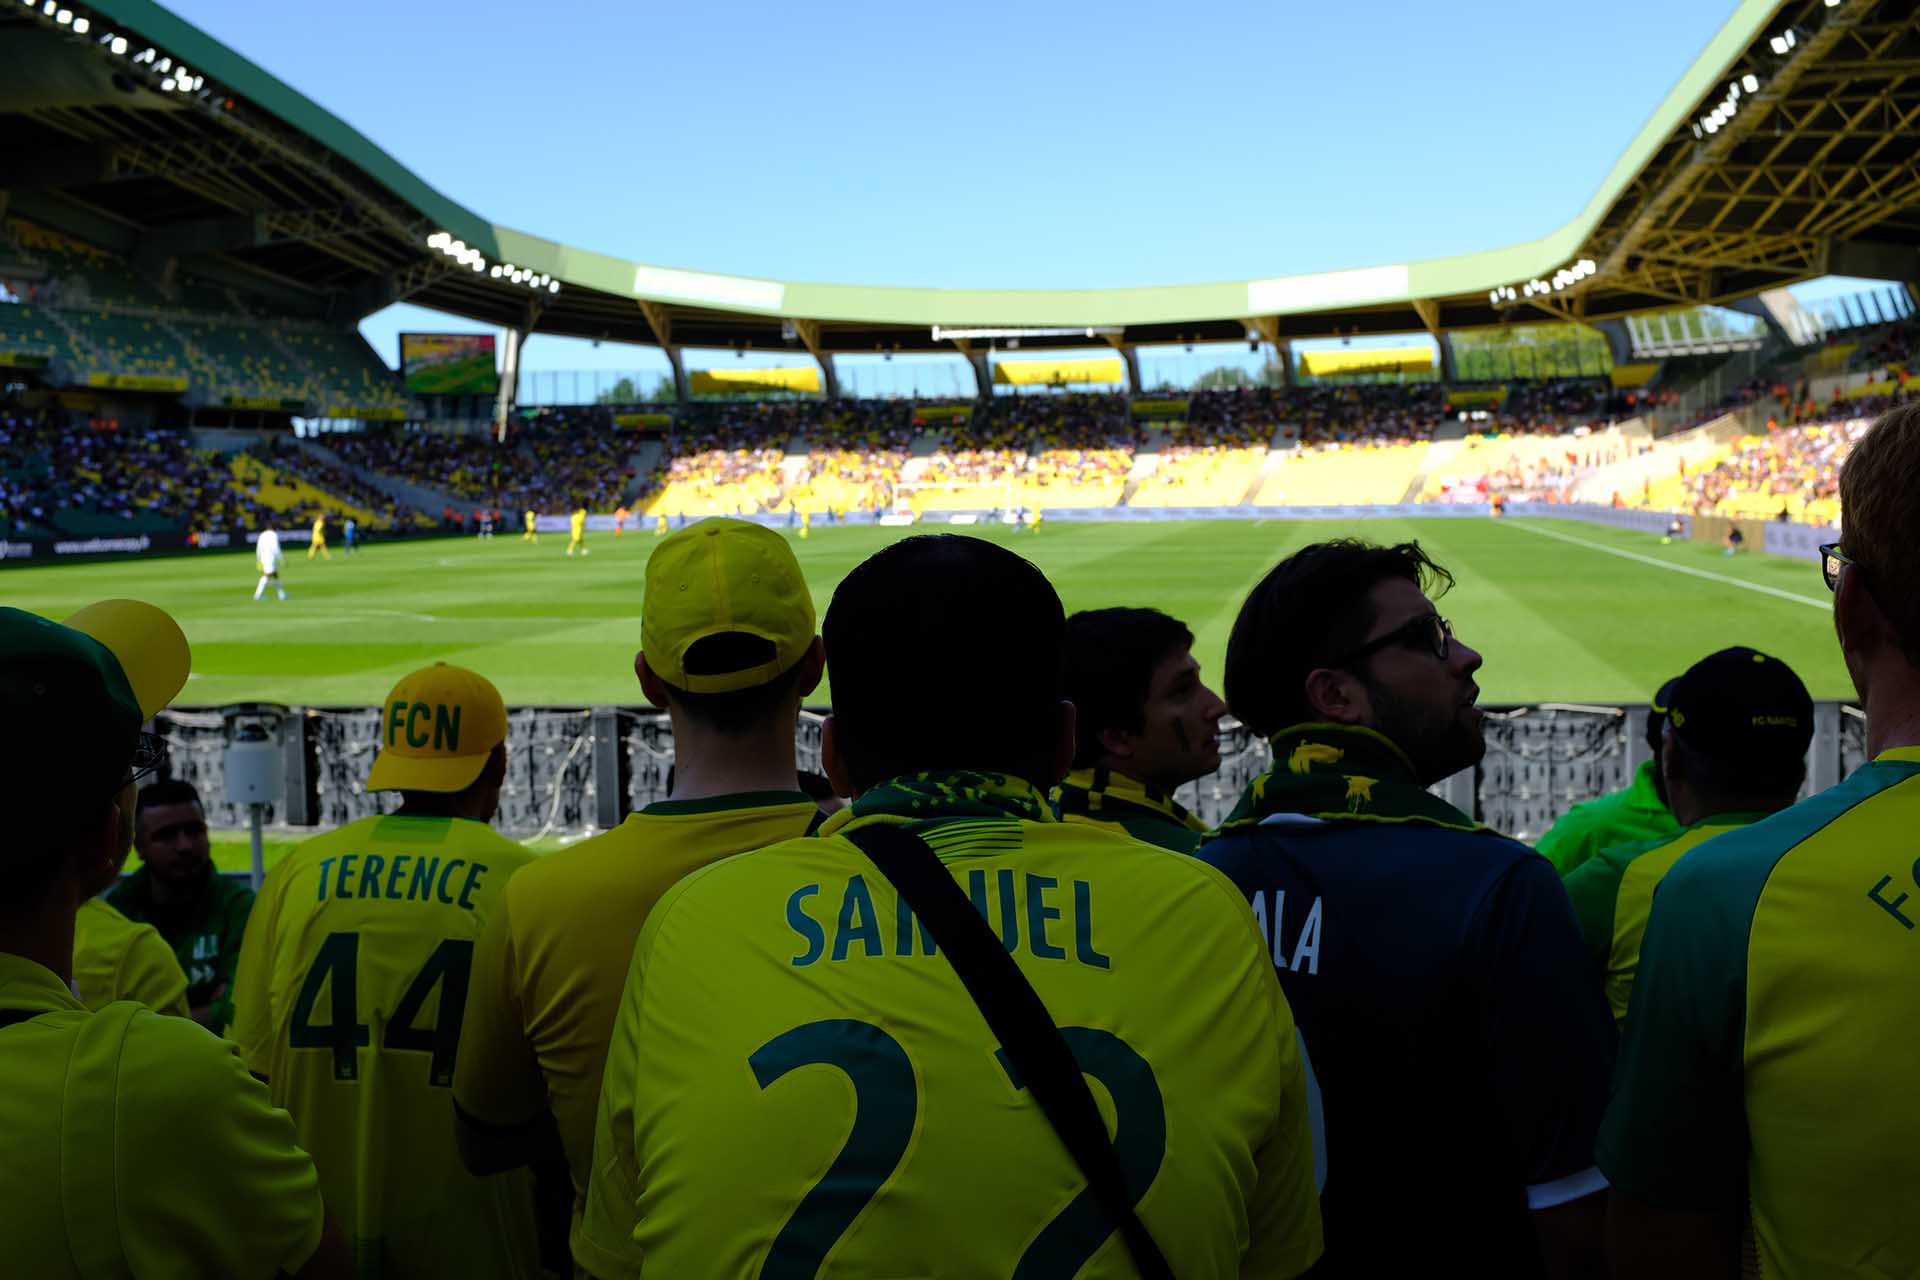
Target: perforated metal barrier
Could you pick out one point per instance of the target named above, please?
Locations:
(572, 771)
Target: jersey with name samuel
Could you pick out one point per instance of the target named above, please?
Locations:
(849, 1115)
(352, 987)
(1450, 1016)
(1767, 1060)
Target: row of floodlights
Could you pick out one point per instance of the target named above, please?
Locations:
(1565, 278)
(1723, 110)
(467, 256)
(175, 77)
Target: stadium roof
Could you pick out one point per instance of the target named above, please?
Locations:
(1787, 151)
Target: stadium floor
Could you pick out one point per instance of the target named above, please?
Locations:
(1563, 611)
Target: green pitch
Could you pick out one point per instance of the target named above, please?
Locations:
(464, 375)
(1563, 611)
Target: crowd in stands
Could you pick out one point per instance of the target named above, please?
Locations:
(103, 478)
(1790, 472)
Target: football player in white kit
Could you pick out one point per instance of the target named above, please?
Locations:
(267, 552)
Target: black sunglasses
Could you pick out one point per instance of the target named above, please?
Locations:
(1832, 559)
(1435, 630)
(149, 754)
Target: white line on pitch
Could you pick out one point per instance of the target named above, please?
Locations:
(1656, 562)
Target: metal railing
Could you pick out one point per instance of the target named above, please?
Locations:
(577, 770)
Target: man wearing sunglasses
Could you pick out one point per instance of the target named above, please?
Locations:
(1435, 967)
(136, 1144)
(1764, 1105)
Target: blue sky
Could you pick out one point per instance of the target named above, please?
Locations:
(1038, 145)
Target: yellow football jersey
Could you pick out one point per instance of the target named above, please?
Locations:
(349, 999)
(550, 966)
(117, 959)
(138, 1145)
(799, 1084)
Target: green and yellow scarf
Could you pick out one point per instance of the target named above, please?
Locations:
(1342, 773)
(947, 794)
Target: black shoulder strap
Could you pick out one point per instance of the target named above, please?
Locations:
(1019, 1019)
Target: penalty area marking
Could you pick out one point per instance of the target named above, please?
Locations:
(1656, 562)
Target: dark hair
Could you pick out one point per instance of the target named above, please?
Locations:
(167, 791)
(1880, 519)
(945, 653)
(1310, 609)
(740, 710)
(1730, 784)
(1111, 655)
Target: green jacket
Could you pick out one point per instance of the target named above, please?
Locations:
(1631, 814)
(206, 936)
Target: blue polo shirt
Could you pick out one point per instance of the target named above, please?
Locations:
(1462, 1049)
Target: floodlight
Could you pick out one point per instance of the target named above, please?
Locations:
(52, 8)
(494, 274)
(165, 64)
(553, 286)
(167, 85)
(81, 26)
(1789, 37)
(119, 45)
(1751, 81)
(1777, 45)
(479, 265)
(459, 248)
(64, 17)
(1833, 4)
(438, 240)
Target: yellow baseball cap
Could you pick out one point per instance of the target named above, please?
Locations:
(149, 644)
(717, 577)
(437, 729)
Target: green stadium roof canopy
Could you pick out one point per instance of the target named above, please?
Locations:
(1787, 151)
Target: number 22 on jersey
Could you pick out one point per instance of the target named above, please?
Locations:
(886, 1102)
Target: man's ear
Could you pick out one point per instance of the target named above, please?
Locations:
(1857, 619)
(812, 664)
(494, 772)
(650, 684)
(1117, 743)
(1063, 742)
(832, 762)
(1337, 697)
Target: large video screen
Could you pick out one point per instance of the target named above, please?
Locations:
(448, 364)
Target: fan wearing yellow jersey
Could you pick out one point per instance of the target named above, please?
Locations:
(137, 1145)
(1762, 1116)
(727, 648)
(319, 544)
(352, 986)
(533, 532)
(660, 525)
(799, 1083)
(578, 522)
